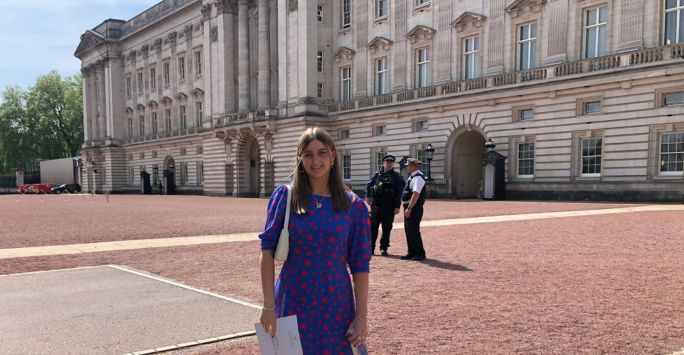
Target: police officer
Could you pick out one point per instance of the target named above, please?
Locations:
(383, 194)
(413, 199)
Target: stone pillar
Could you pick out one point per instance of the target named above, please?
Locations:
(101, 102)
(86, 104)
(557, 33)
(264, 80)
(631, 26)
(443, 42)
(399, 61)
(496, 38)
(243, 56)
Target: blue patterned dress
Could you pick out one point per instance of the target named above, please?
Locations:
(314, 282)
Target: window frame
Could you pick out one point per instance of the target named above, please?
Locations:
(346, 20)
(141, 82)
(319, 12)
(380, 9)
(168, 119)
(181, 67)
(679, 9)
(153, 78)
(141, 124)
(422, 76)
(519, 159)
(676, 152)
(198, 62)
(319, 61)
(346, 166)
(199, 114)
(154, 121)
(381, 75)
(183, 116)
(467, 55)
(521, 42)
(598, 156)
(166, 72)
(345, 83)
(598, 25)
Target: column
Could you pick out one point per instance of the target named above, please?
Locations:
(400, 43)
(101, 110)
(243, 56)
(496, 38)
(264, 79)
(86, 103)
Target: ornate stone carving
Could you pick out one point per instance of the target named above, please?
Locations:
(188, 30)
(516, 6)
(344, 53)
(157, 45)
(379, 43)
(197, 93)
(420, 32)
(144, 50)
(172, 37)
(292, 5)
(213, 34)
(132, 55)
(468, 17)
(206, 12)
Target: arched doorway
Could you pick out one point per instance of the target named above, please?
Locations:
(466, 164)
(253, 168)
(169, 175)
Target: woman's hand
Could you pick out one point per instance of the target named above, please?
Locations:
(268, 320)
(358, 331)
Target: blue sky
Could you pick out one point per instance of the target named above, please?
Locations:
(38, 36)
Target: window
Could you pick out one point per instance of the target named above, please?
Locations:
(181, 68)
(591, 156)
(199, 114)
(153, 79)
(421, 126)
(595, 32)
(471, 58)
(155, 122)
(200, 173)
(674, 22)
(140, 83)
(167, 119)
(130, 125)
(422, 67)
(421, 155)
(526, 159)
(344, 134)
(527, 46)
(183, 117)
(379, 130)
(319, 90)
(422, 2)
(167, 73)
(319, 14)
(380, 8)
(183, 173)
(141, 125)
(672, 153)
(155, 174)
(525, 114)
(346, 13)
(131, 175)
(379, 155)
(319, 62)
(346, 166)
(345, 87)
(381, 76)
(198, 62)
(128, 87)
(592, 107)
(673, 98)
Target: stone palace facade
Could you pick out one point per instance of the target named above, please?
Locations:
(584, 97)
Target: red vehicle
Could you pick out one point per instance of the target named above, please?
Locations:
(35, 188)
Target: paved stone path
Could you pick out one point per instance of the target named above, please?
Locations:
(241, 237)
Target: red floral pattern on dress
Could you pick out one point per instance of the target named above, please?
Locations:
(315, 283)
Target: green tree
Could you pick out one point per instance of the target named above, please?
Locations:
(44, 122)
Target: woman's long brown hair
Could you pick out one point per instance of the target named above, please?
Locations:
(301, 187)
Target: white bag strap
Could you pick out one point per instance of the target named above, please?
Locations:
(286, 222)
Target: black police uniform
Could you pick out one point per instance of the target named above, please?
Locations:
(412, 224)
(383, 202)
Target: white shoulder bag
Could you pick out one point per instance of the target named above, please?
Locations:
(283, 247)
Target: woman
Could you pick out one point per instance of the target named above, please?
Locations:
(329, 230)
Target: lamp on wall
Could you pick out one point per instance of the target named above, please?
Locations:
(429, 150)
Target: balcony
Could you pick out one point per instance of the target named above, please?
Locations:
(454, 88)
(165, 135)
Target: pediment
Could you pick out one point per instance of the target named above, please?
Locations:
(344, 53)
(166, 100)
(152, 104)
(517, 6)
(468, 17)
(89, 40)
(181, 96)
(140, 107)
(379, 43)
(197, 92)
(420, 32)
(129, 110)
